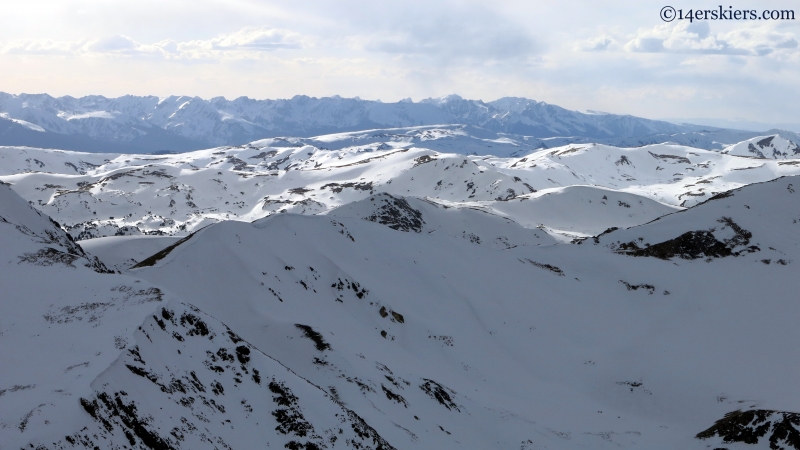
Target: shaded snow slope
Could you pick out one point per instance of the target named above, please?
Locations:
(562, 346)
(62, 323)
(37, 239)
(213, 390)
(121, 252)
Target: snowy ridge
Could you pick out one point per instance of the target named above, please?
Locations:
(230, 398)
(733, 223)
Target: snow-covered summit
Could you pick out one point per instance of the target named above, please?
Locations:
(765, 147)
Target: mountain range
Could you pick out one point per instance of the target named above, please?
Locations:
(412, 287)
(404, 321)
(131, 124)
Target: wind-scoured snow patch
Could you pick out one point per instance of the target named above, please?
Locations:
(123, 252)
(582, 210)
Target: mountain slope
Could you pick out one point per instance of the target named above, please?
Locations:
(63, 321)
(362, 329)
(75, 345)
(558, 346)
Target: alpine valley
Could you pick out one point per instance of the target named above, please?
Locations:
(501, 275)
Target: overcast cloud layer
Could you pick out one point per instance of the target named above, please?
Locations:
(580, 55)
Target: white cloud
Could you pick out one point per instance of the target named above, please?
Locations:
(113, 44)
(598, 44)
(249, 39)
(696, 37)
(463, 46)
(40, 47)
(245, 43)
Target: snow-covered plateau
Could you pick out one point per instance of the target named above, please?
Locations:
(429, 287)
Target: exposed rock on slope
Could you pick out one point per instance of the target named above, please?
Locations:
(473, 224)
(213, 390)
(780, 429)
(765, 147)
(747, 220)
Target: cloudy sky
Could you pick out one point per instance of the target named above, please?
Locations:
(577, 54)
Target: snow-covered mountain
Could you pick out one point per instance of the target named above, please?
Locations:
(763, 147)
(384, 324)
(132, 124)
(420, 287)
(570, 191)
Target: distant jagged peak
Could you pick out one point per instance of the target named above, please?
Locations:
(514, 103)
(503, 103)
(450, 98)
